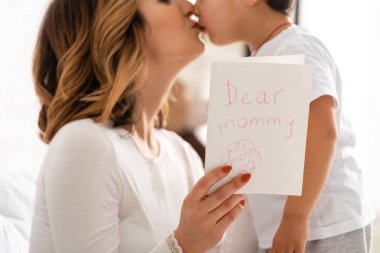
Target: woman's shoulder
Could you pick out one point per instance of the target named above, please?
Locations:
(80, 147)
(80, 134)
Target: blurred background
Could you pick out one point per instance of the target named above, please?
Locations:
(349, 28)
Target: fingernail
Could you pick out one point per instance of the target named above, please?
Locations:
(242, 202)
(245, 178)
(227, 169)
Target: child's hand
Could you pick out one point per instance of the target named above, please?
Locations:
(205, 218)
(291, 236)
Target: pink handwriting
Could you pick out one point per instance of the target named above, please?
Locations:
(264, 97)
(255, 121)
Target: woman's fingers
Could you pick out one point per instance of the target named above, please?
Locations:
(200, 228)
(226, 207)
(217, 198)
(231, 216)
(204, 184)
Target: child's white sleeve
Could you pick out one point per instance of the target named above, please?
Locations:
(324, 72)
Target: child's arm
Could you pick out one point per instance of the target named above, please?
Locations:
(292, 233)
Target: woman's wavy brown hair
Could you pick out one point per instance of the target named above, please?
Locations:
(89, 63)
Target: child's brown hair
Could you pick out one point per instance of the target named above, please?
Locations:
(283, 6)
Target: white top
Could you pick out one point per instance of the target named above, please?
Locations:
(343, 205)
(98, 193)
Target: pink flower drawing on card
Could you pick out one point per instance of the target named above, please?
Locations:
(242, 156)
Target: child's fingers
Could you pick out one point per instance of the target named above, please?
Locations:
(204, 184)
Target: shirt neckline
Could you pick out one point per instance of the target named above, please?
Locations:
(127, 135)
(274, 39)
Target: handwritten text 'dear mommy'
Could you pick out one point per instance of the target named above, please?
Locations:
(262, 97)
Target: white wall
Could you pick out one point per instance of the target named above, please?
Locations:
(351, 30)
(21, 151)
(19, 21)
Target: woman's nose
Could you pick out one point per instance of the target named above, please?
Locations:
(187, 8)
(196, 8)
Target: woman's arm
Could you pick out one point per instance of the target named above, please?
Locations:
(82, 191)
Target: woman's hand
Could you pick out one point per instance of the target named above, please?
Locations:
(205, 218)
(291, 236)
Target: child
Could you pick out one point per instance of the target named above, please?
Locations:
(333, 214)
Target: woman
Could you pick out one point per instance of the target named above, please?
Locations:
(112, 179)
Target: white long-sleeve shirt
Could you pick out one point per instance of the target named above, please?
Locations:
(98, 193)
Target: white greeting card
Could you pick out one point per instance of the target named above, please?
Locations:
(257, 121)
